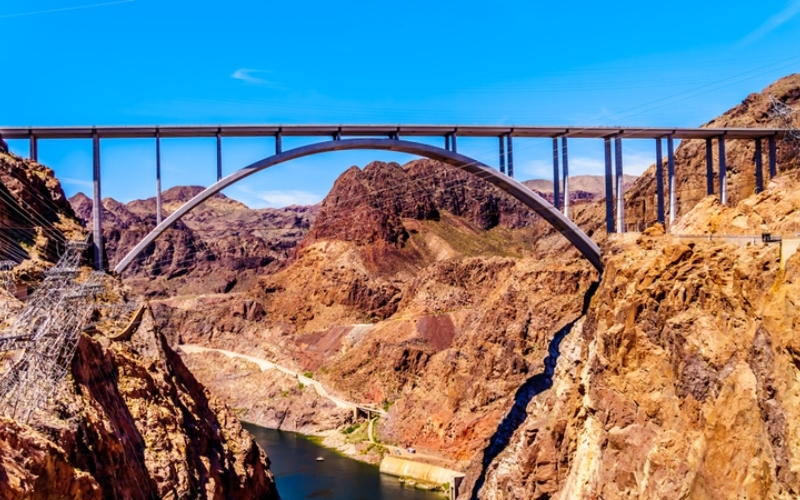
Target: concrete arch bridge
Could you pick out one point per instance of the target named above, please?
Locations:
(387, 138)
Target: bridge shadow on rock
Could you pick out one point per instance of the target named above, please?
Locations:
(532, 387)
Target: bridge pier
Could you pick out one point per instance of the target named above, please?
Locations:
(609, 188)
(34, 147)
(502, 154)
(97, 208)
(159, 210)
(219, 155)
(509, 153)
(673, 201)
(556, 179)
(773, 167)
(709, 168)
(565, 162)
(620, 185)
(723, 173)
(453, 147)
(659, 183)
(278, 143)
(759, 168)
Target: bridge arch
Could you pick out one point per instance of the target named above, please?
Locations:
(542, 207)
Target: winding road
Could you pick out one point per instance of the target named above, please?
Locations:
(269, 365)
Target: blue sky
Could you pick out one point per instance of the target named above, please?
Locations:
(148, 62)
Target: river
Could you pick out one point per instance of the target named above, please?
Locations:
(299, 476)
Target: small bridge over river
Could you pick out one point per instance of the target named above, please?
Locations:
(405, 138)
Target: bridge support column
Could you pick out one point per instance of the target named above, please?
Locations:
(509, 153)
(565, 162)
(659, 183)
(673, 201)
(34, 147)
(723, 174)
(502, 154)
(556, 176)
(709, 168)
(453, 142)
(97, 208)
(609, 188)
(620, 185)
(278, 143)
(159, 210)
(219, 155)
(759, 168)
(773, 164)
(447, 142)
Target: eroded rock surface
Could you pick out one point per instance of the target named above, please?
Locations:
(684, 380)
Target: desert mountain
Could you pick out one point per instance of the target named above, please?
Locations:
(452, 311)
(582, 187)
(128, 411)
(218, 247)
(690, 157)
(442, 269)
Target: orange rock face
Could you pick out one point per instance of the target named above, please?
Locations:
(683, 381)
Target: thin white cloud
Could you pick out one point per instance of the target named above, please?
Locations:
(285, 198)
(257, 198)
(249, 75)
(791, 10)
(633, 164)
(63, 9)
(76, 182)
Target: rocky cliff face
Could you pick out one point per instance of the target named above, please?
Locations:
(34, 213)
(582, 188)
(683, 380)
(129, 420)
(690, 156)
(416, 287)
(219, 247)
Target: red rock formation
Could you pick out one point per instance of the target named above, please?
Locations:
(130, 421)
(219, 247)
(690, 156)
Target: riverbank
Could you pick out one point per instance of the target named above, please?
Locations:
(272, 396)
(299, 475)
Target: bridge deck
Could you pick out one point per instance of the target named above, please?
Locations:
(132, 132)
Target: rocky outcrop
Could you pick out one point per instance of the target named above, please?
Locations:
(690, 156)
(132, 422)
(36, 468)
(433, 304)
(683, 380)
(34, 212)
(219, 247)
(427, 188)
(581, 187)
(129, 420)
